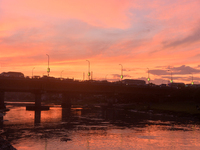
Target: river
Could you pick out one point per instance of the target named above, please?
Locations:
(97, 129)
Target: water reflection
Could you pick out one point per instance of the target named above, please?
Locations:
(37, 116)
(66, 112)
(96, 128)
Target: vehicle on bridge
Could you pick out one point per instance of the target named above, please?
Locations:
(133, 82)
(177, 85)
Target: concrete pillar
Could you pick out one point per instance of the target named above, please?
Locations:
(37, 116)
(2, 95)
(66, 100)
(110, 100)
(38, 100)
(66, 112)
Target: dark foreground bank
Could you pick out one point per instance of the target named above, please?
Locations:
(5, 145)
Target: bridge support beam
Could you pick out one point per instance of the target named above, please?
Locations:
(2, 104)
(37, 106)
(38, 100)
(37, 116)
(111, 99)
(66, 100)
(66, 114)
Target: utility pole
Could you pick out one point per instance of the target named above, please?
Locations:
(88, 69)
(148, 76)
(32, 72)
(121, 71)
(48, 69)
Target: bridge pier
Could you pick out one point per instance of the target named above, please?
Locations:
(2, 104)
(38, 100)
(66, 114)
(111, 99)
(37, 106)
(37, 116)
(66, 100)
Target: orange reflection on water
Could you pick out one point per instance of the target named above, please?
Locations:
(84, 135)
(19, 115)
(52, 115)
(150, 137)
(118, 139)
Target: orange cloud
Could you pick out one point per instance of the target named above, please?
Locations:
(102, 13)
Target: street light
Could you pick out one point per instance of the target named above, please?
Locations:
(148, 76)
(32, 72)
(192, 80)
(121, 71)
(171, 77)
(61, 74)
(83, 76)
(48, 69)
(88, 69)
(106, 76)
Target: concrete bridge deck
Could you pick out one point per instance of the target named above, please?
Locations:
(68, 88)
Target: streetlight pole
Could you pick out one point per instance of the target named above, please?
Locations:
(121, 71)
(106, 76)
(171, 76)
(148, 76)
(32, 72)
(48, 69)
(83, 76)
(61, 74)
(192, 80)
(88, 69)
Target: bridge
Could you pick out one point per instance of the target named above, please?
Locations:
(69, 88)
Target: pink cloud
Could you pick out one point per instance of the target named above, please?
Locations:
(102, 13)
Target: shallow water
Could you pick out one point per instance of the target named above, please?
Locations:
(93, 129)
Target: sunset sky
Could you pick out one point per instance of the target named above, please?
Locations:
(162, 35)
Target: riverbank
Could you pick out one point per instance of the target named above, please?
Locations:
(184, 109)
(5, 145)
